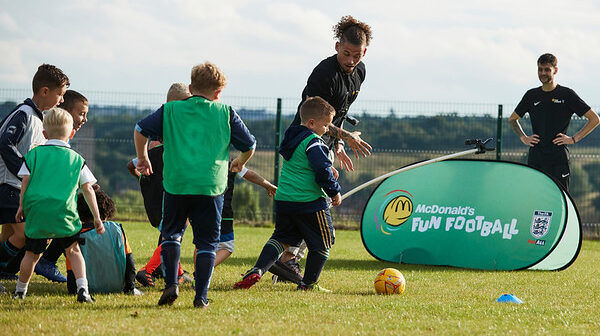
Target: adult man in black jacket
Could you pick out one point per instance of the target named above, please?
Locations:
(337, 79)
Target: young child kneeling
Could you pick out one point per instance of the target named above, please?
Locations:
(51, 174)
(301, 209)
(110, 266)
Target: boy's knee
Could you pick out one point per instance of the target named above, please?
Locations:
(73, 249)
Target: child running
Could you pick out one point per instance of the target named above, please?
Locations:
(301, 209)
(197, 133)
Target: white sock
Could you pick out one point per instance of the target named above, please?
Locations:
(22, 286)
(82, 283)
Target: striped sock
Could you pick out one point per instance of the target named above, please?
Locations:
(315, 261)
(7, 252)
(269, 254)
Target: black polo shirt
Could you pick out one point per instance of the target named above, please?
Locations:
(550, 113)
(329, 81)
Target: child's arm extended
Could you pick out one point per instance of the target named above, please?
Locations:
(90, 199)
(20, 215)
(261, 181)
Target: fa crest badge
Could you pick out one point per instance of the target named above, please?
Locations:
(540, 224)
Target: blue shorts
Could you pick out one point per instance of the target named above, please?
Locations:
(204, 213)
(315, 228)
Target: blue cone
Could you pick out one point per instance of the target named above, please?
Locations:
(509, 298)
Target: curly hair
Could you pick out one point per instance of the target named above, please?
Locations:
(351, 30)
(106, 206)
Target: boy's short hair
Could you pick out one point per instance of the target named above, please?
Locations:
(207, 77)
(315, 108)
(49, 76)
(548, 58)
(178, 91)
(70, 98)
(58, 123)
(106, 206)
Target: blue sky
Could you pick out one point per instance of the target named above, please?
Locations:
(455, 51)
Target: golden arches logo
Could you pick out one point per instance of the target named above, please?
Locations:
(398, 210)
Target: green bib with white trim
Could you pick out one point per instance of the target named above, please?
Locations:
(50, 200)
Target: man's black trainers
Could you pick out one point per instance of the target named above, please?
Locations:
(169, 295)
(199, 303)
(19, 295)
(286, 271)
(84, 297)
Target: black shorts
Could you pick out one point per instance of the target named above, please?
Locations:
(9, 203)
(38, 246)
(315, 228)
(553, 164)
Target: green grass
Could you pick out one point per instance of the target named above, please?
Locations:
(437, 300)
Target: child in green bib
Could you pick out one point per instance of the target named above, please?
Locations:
(51, 174)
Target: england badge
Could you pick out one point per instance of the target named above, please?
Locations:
(540, 224)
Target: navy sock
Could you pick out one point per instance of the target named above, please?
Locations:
(15, 263)
(269, 254)
(315, 261)
(169, 256)
(205, 264)
(7, 252)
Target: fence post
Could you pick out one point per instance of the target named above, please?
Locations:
(276, 148)
(277, 141)
(499, 134)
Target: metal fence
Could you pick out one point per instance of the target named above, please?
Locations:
(401, 133)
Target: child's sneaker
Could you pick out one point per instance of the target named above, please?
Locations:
(19, 295)
(288, 271)
(199, 303)
(135, 292)
(144, 278)
(185, 278)
(250, 278)
(48, 270)
(313, 287)
(169, 295)
(84, 297)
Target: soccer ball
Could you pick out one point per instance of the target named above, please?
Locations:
(389, 281)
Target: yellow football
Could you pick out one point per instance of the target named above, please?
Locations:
(390, 281)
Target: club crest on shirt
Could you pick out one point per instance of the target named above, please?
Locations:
(540, 224)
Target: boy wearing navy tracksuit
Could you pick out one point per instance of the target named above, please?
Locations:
(302, 212)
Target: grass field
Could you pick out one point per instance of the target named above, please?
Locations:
(437, 300)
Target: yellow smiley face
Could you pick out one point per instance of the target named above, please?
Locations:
(398, 211)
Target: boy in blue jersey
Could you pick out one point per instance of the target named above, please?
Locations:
(196, 133)
(51, 175)
(301, 209)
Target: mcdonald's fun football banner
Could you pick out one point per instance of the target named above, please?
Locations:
(490, 215)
